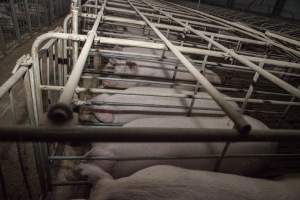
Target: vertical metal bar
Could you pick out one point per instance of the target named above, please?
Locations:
(29, 101)
(51, 11)
(251, 89)
(242, 125)
(46, 165)
(206, 57)
(75, 18)
(277, 81)
(46, 12)
(23, 170)
(38, 11)
(198, 5)
(12, 106)
(38, 164)
(3, 185)
(286, 111)
(221, 158)
(33, 116)
(2, 42)
(15, 19)
(63, 111)
(28, 18)
(20, 157)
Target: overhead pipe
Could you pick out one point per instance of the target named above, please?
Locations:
(241, 124)
(138, 134)
(277, 81)
(62, 111)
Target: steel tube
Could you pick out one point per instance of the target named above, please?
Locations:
(12, 81)
(284, 85)
(175, 95)
(75, 27)
(134, 134)
(62, 111)
(240, 28)
(285, 39)
(241, 124)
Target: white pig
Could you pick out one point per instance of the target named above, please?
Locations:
(123, 114)
(151, 69)
(165, 182)
(243, 166)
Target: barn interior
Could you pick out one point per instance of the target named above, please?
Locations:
(210, 87)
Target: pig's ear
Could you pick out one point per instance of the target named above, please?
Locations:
(92, 172)
(105, 117)
(132, 66)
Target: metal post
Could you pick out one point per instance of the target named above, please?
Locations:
(28, 17)
(241, 123)
(2, 42)
(198, 6)
(284, 85)
(51, 11)
(138, 134)
(15, 19)
(75, 24)
(251, 89)
(3, 184)
(62, 111)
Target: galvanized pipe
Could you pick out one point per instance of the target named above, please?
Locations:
(242, 29)
(62, 111)
(284, 85)
(137, 134)
(285, 39)
(75, 27)
(6, 87)
(241, 124)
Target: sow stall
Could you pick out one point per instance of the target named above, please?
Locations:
(257, 76)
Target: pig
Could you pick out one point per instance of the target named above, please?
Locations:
(243, 166)
(163, 182)
(150, 69)
(117, 114)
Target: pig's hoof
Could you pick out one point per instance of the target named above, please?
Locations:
(60, 113)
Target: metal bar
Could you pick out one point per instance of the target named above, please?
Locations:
(2, 42)
(250, 89)
(3, 185)
(208, 156)
(75, 27)
(15, 19)
(175, 95)
(62, 111)
(51, 11)
(240, 28)
(135, 134)
(284, 85)
(28, 18)
(12, 81)
(241, 124)
(23, 171)
(285, 39)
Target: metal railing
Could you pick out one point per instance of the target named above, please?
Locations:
(259, 74)
(19, 19)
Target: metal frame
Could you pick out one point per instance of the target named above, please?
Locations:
(252, 65)
(20, 19)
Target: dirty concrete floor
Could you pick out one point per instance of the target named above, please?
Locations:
(9, 160)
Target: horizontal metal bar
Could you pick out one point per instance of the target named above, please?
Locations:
(12, 81)
(208, 156)
(137, 134)
(160, 46)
